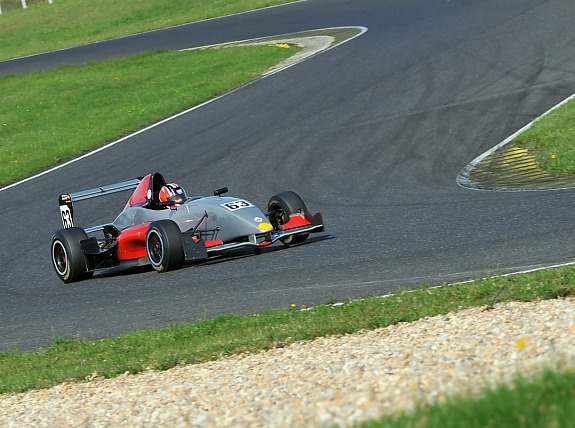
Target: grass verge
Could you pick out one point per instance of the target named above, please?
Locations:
(546, 400)
(551, 139)
(65, 112)
(45, 27)
(76, 359)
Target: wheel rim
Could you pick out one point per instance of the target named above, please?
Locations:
(60, 258)
(280, 215)
(155, 248)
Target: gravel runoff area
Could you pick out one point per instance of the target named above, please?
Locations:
(328, 381)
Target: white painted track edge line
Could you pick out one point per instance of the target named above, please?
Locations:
(140, 131)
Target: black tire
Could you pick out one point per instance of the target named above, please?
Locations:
(165, 246)
(68, 259)
(280, 207)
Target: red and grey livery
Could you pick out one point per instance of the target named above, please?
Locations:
(166, 235)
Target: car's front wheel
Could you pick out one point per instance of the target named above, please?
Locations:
(280, 207)
(164, 245)
(68, 259)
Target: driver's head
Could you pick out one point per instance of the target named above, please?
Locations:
(174, 193)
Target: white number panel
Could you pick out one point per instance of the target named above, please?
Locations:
(66, 216)
(236, 205)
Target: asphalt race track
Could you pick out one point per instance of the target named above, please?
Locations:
(372, 133)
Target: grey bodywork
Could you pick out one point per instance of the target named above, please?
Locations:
(206, 216)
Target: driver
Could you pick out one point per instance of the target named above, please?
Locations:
(173, 193)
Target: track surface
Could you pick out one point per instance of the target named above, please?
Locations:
(372, 133)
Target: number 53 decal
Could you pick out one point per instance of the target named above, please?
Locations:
(66, 216)
(236, 205)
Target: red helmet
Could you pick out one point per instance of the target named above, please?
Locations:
(174, 193)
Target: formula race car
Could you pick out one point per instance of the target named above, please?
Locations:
(160, 225)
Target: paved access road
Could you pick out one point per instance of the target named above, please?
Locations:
(372, 133)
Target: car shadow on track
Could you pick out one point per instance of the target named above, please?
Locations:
(222, 258)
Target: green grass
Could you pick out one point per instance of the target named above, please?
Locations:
(546, 400)
(551, 139)
(44, 27)
(71, 110)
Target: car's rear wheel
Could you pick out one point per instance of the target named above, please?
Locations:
(280, 207)
(68, 259)
(164, 245)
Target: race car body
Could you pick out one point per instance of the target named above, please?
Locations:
(166, 234)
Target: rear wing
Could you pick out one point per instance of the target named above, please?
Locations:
(66, 200)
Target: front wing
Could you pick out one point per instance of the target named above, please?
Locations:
(296, 226)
